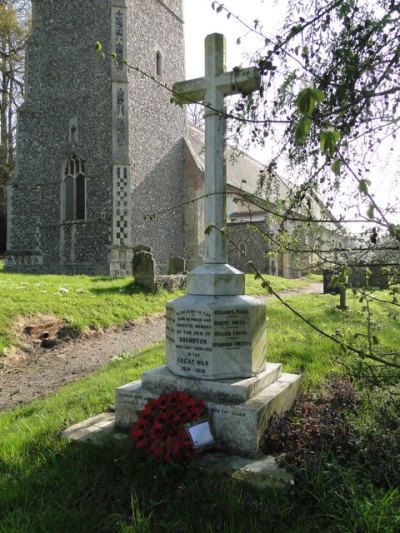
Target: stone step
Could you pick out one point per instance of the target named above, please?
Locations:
(261, 474)
(98, 429)
(229, 390)
(238, 427)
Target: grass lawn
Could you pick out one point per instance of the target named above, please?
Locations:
(81, 301)
(253, 286)
(47, 484)
(87, 302)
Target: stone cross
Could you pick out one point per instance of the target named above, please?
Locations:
(212, 90)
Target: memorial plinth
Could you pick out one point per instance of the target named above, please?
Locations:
(239, 410)
(215, 350)
(215, 332)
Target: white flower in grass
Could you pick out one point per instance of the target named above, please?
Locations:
(63, 290)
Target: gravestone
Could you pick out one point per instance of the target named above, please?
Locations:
(141, 248)
(369, 275)
(143, 270)
(176, 265)
(329, 288)
(215, 338)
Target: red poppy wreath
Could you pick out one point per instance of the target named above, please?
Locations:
(160, 428)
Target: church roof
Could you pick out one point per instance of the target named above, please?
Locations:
(242, 171)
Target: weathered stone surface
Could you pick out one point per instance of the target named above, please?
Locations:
(238, 428)
(229, 390)
(96, 429)
(143, 270)
(141, 248)
(171, 283)
(215, 280)
(259, 473)
(369, 276)
(212, 88)
(264, 473)
(176, 265)
(215, 334)
(195, 261)
(216, 337)
(79, 104)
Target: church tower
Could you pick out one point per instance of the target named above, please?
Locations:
(99, 145)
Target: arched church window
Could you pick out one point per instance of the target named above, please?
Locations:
(242, 251)
(159, 64)
(74, 189)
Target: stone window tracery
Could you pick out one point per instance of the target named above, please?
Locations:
(159, 64)
(74, 189)
(119, 24)
(120, 102)
(119, 52)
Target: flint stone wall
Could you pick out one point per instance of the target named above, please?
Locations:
(157, 127)
(67, 80)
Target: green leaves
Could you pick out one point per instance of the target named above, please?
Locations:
(328, 140)
(267, 286)
(363, 186)
(394, 230)
(307, 99)
(336, 167)
(371, 211)
(302, 128)
(208, 229)
(98, 46)
(216, 6)
(305, 102)
(178, 100)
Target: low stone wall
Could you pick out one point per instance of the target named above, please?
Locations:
(171, 283)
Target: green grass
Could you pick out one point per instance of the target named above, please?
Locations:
(48, 484)
(302, 350)
(45, 483)
(86, 302)
(81, 301)
(253, 286)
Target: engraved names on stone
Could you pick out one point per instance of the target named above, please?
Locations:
(197, 334)
(190, 331)
(231, 328)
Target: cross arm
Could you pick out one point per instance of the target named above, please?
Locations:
(239, 81)
(190, 91)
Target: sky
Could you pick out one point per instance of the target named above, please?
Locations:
(201, 20)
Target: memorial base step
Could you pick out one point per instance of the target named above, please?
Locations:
(238, 425)
(261, 473)
(223, 390)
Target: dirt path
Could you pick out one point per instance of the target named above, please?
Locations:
(40, 371)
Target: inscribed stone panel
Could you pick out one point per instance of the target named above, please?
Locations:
(119, 39)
